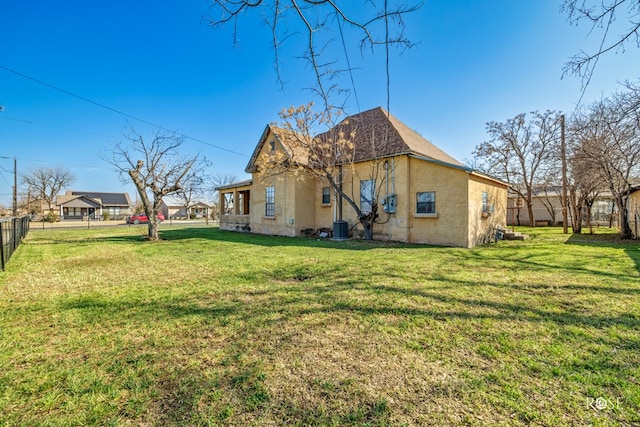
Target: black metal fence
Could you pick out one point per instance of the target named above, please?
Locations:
(12, 231)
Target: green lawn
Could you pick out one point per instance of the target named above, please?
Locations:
(99, 327)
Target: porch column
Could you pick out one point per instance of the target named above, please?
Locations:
(235, 201)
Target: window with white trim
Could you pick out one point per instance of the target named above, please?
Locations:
(326, 195)
(426, 202)
(270, 201)
(367, 194)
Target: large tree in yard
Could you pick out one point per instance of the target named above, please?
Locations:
(607, 134)
(46, 182)
(330, 157)
(155, 166)
(522, 152)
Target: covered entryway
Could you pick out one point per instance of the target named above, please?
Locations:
(80, 208)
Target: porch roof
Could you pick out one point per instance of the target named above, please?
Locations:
(246, 183)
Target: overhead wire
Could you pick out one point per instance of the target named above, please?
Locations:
(114, 110)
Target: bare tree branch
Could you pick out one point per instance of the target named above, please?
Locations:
(315, 19)
(602, 16)
(156, 168)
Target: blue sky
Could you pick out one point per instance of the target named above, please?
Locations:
(476, 61)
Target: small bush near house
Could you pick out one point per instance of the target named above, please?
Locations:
(105, 216)
(51, 217)
(192, 216)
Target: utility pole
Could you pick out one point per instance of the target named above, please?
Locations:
(15, 187)
(563, 154)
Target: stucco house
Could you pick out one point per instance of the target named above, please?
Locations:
(633, 206)
(424, 194)
(90, 204)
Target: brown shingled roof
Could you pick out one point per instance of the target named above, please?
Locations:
(371, 129)
(376, 134)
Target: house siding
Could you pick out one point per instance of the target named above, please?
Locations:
(458, 220)
(482, 227)
(449, 226)
(633, 205)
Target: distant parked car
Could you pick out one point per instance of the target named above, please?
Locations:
(142, 218)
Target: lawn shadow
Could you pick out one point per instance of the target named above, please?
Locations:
(216, 234)
(631, 247)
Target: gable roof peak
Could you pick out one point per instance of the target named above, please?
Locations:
(379, 133)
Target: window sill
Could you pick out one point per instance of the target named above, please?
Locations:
(426, 215)
(325, 205)
(269, 217)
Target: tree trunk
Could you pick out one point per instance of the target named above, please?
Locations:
(532, 220)
(368, 220)
(368, 230)
(623, 217)
(153, 228)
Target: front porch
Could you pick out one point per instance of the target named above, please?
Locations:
(234, 206)
(80, 208)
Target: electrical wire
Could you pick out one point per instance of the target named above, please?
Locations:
(114, 110)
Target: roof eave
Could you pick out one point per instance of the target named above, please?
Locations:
(440, 162)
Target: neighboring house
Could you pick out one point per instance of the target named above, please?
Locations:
(425, 195)
(547, 208)
(88, 204)
(175, 207)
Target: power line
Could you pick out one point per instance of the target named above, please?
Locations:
(54, 126)
(114, 110)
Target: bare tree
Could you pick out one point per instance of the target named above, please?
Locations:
(194, 186)
(156, 168)
(46, 182)
(608, 134)
(329, 157)
(521, 152)
(602, 15)
(218, 180)
(322, 24)
(584, 181)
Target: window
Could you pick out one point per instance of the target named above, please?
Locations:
(326, 195)
(367, 193)
(228, 204)
(485, 202)
(272, 146)
(270, 201)
(426, 202)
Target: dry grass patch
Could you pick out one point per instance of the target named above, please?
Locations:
(214, 328)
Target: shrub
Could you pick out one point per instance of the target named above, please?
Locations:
(105, 216)
(51, 217)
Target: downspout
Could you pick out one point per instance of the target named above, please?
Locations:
(340, 194)
(408, 211)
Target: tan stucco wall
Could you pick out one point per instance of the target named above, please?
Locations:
(293, 199)
(449, 226)
(633, 206)
(324, 214)
(458, 221)
(284, 206)
(481, 227)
